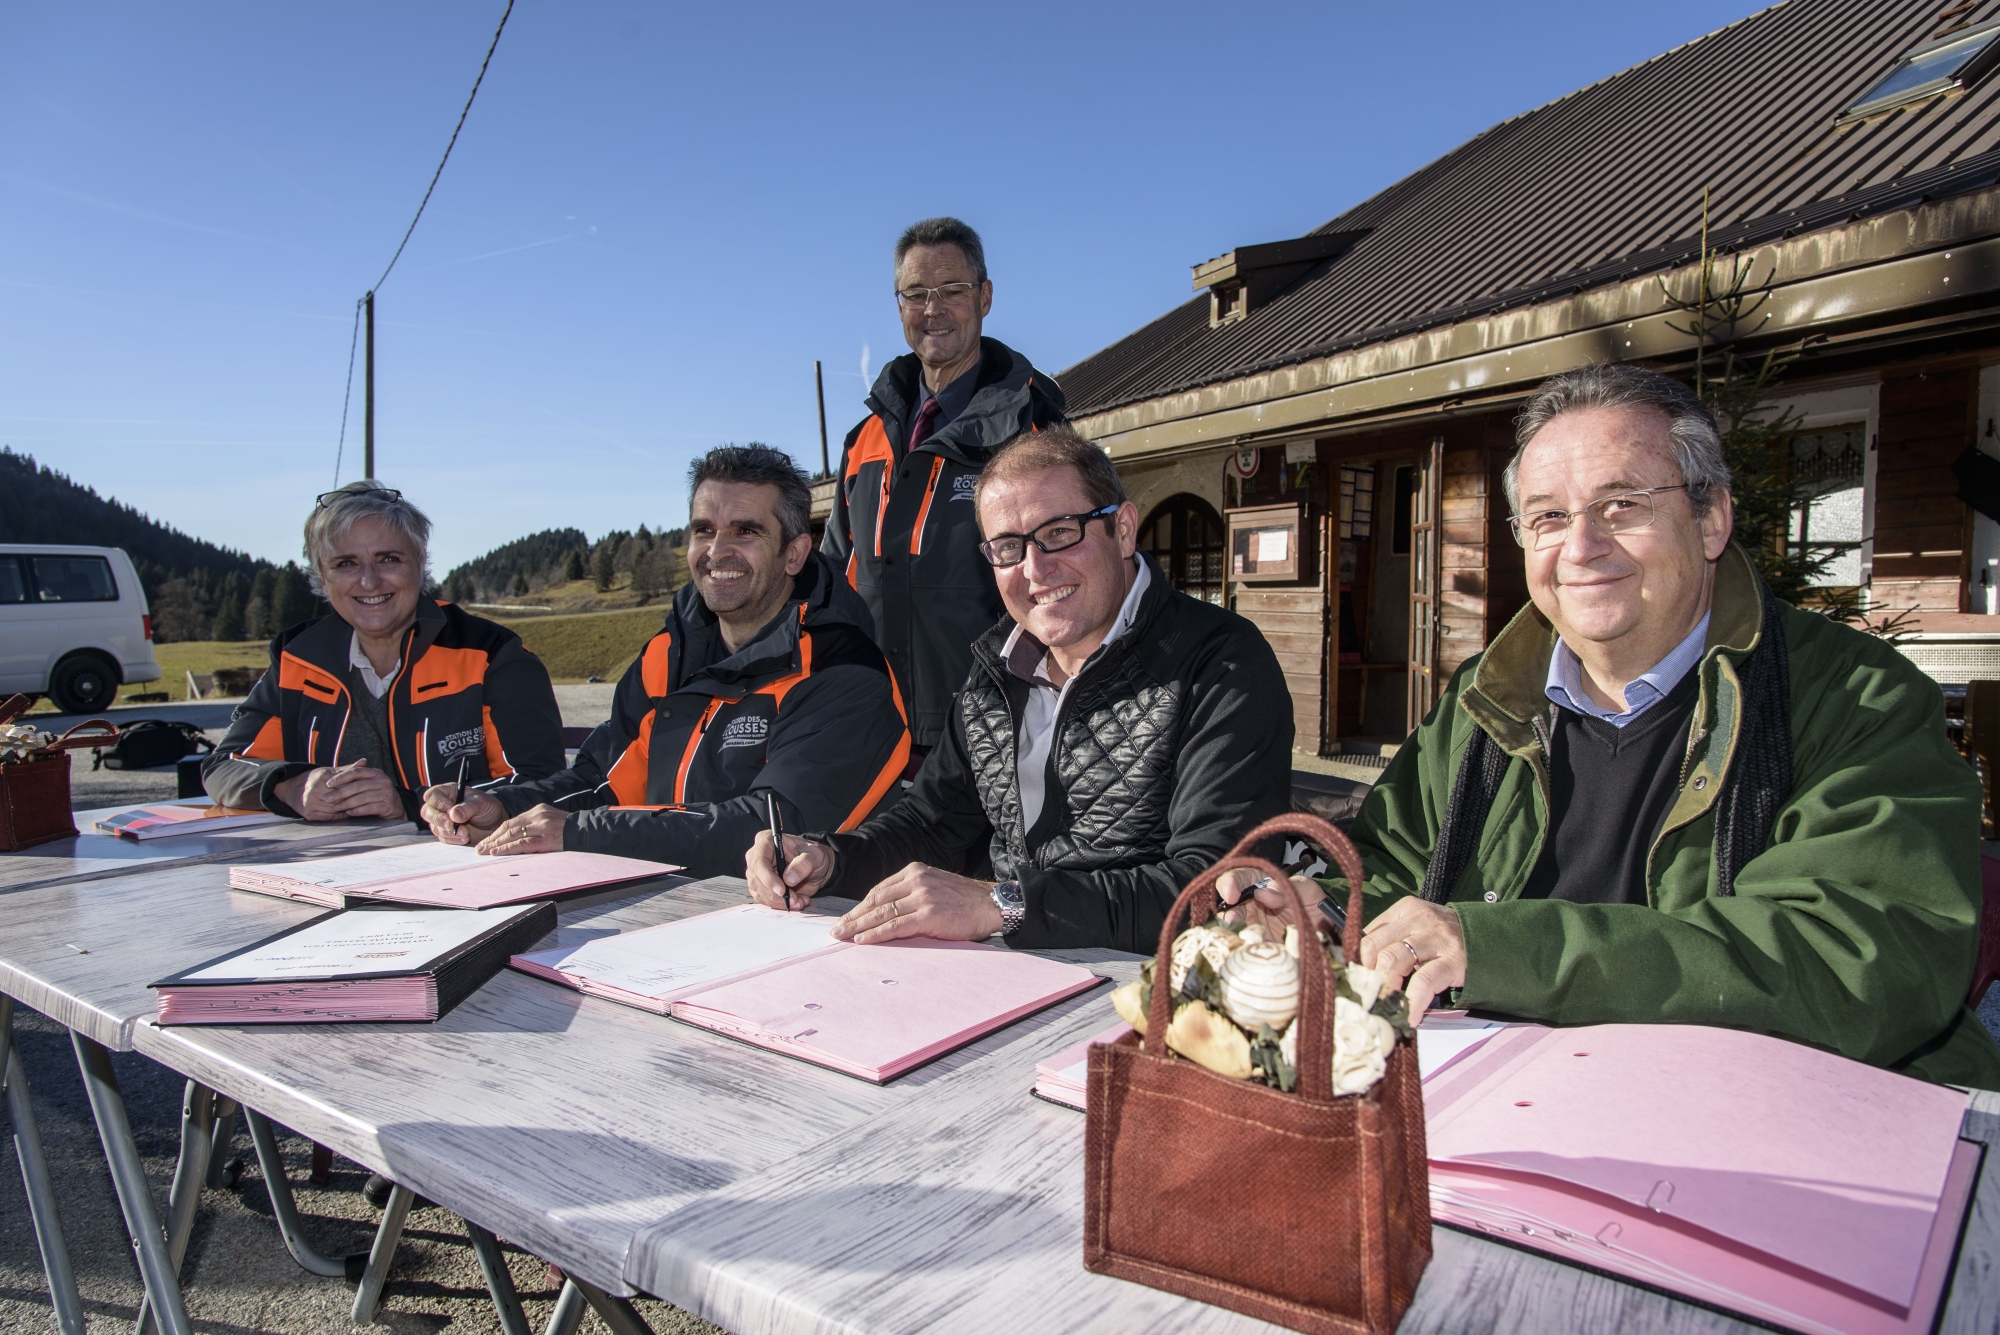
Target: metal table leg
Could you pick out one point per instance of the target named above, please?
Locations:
(569, 1309)
(128, 1175)
(35, 1177)
(368, 1297)
(286, 1210)
(225, 1132)
(617, 1313)
(499, 1280)
(190, 1173)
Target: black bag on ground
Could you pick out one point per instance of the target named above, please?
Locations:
(150, 743)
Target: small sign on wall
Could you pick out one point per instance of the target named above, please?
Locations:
(1264, 543)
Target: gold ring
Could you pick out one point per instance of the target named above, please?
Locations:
(1415, 958)
(894, 912)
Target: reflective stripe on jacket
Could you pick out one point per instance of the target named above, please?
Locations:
(806, 711)
(903, 529)
(466, 688)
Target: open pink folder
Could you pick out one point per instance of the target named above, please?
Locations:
(878, 1011)
(1747, 1172)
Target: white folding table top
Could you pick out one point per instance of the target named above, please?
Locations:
(82, 951)
(567, 1123)
(91, 853)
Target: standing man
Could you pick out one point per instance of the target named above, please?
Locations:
(903, 528)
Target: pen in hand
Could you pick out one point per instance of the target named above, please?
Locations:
(459, 799)
(778, 845)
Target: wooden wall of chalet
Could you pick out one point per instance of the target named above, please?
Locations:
(1921, 529)
(1293, 621)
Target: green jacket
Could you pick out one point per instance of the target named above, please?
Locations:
(1855, 931)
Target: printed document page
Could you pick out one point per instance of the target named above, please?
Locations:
(352, 869)
(1444, 1038)
(372, 941)
(665, 961)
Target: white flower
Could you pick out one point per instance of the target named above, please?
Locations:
(1367, 984)
(1209, 943)
(1361, 1044)
(1260, 985)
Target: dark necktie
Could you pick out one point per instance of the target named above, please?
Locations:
(926, 423)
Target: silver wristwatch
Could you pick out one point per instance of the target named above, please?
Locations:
(1013, 906)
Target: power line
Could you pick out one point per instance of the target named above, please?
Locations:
(348, 397)
(454, 140)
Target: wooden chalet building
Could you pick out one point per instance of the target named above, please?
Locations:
(1317, 436)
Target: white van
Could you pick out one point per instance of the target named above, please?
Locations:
(73, 625)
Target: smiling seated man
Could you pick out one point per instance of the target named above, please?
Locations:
(1113, 739)
(1661, 796)
(763, 680)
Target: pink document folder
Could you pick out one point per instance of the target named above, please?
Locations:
(1745, 1171)
(878, 1011)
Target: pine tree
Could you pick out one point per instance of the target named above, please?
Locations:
(520, 585)
(605, 571)
(573, 565)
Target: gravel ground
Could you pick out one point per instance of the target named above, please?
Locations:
(238, 1278)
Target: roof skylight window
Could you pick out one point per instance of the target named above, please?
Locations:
(1941, 65)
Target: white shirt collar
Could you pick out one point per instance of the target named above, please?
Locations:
(378, 686)
(1565, 683)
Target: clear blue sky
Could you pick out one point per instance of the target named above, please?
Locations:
(655, 219)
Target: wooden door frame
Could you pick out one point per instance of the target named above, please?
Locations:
(1426, 571)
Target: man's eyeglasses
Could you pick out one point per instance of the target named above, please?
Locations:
(1059, 534)
(951, 294)
(1623, 513)
(326, 498)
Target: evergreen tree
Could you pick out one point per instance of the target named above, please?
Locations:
(604, 570)
(573, 564)
(292, 598)
(229, 608)
(257, 620)
(520, 585)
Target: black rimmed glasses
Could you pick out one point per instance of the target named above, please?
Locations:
(386, 493)
(1057, 535)
(1609, 515)
(951, 294)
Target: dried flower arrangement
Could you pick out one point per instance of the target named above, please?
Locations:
(1236, 1006)
(19, 741)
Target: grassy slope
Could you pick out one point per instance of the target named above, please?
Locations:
(600, 644)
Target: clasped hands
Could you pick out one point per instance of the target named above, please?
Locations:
(917, 901)
(1419, 945)
(482, 820)
(341, 792)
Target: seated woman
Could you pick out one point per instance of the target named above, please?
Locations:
(393, 692)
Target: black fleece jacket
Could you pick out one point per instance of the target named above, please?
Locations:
(903, 530)
(804, 711)
(1173, 742)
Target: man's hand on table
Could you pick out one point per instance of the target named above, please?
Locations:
(807, 870)
(539, 829)
(348, 792)
(1421, 946)
(467, 822)
(923, 901)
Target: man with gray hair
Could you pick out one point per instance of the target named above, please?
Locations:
(902, 528)
(763, 683)
(1662, 796)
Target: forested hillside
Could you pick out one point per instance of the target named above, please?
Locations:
(644, 564)
(197, 590)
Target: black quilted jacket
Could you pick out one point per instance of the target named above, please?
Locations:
(1175, 740)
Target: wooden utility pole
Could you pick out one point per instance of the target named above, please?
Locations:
(819, 388)
(368, 412)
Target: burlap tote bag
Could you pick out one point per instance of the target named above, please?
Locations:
(1299, 1208)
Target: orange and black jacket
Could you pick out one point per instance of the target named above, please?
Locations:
(467, 688)
(903, 529)
(805, 711)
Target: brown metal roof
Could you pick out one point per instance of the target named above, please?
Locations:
(1601, 185)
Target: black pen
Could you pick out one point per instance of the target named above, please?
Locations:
(459, 800)
(777, 844)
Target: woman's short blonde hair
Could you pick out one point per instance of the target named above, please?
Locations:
(339, 511)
